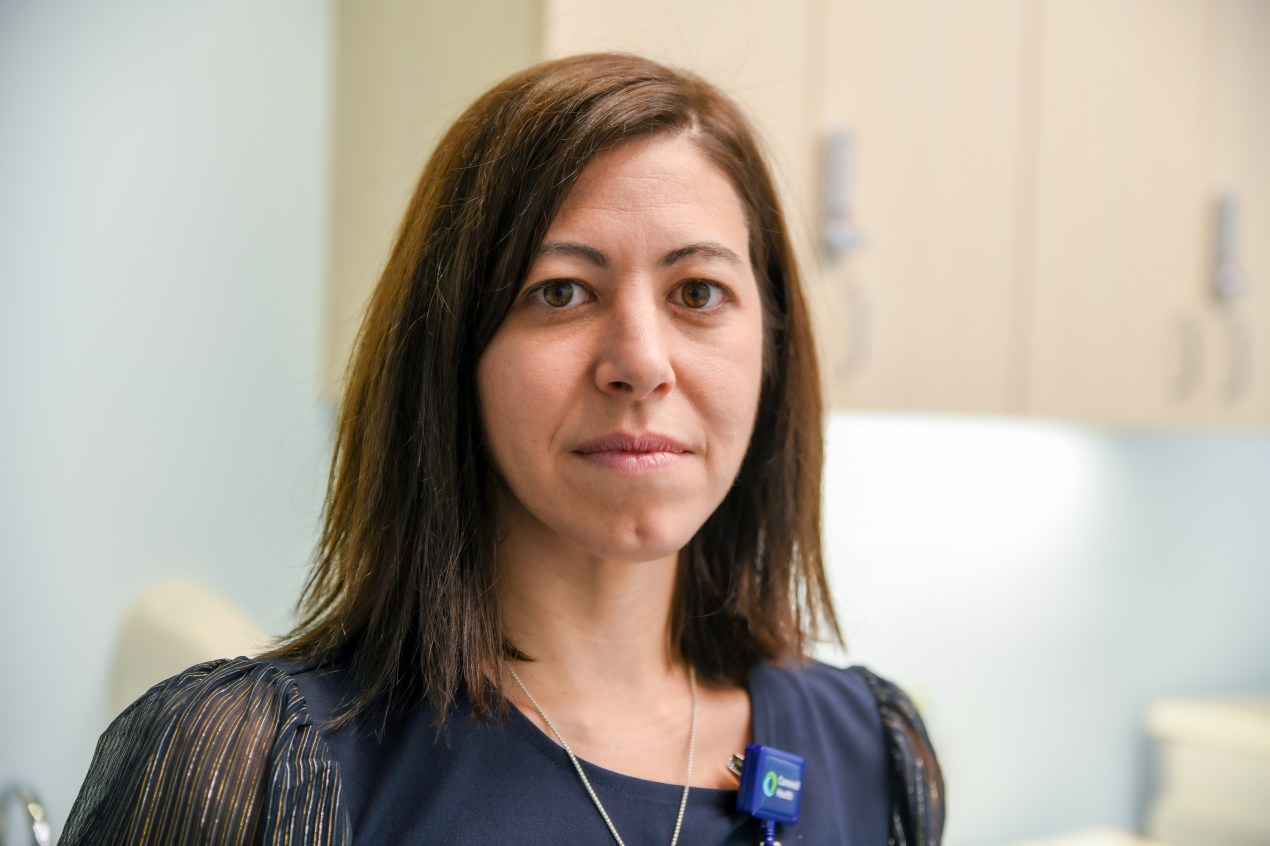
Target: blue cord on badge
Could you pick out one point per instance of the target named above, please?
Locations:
(771, 786)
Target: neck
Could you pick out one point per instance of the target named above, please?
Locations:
(587, 623)
(596, 630)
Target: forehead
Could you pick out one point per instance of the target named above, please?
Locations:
(665, 178)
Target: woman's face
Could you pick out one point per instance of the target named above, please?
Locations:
(619, 395)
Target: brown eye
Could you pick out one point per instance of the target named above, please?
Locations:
(558, 294)
(699, 294)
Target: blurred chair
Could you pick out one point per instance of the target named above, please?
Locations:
(175, 625)
(1213, 771)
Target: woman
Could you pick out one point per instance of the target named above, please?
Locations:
(573, 513)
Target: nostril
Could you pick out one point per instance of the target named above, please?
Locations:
(633, 367)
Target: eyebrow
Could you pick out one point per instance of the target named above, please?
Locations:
(596, 257)
(709, 249)
(571, 248)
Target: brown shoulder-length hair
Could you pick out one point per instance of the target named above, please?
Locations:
(403, 587)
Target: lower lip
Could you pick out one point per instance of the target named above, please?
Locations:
(633, 462)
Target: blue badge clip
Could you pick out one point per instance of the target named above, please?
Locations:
(771, 786)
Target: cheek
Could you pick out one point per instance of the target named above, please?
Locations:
(730, 385)
(519, 385)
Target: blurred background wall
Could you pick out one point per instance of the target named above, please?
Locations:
(163, 222)
(1037, 585)
(196, 197)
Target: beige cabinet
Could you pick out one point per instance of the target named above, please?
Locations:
(1152, 112)
(925, 314)
(1036, 185)
(1034, 182)
(1120, 228)
(1236, 384)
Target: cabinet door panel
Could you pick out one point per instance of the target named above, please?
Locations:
(925, 315)
(1239, 369)
(1119, 262)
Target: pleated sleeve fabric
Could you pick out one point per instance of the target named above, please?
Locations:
(224, 753)
(917, 783)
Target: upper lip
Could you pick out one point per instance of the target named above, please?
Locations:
(622, 442)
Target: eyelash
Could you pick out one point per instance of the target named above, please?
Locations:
(537, 294)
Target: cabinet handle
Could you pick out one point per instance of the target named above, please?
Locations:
(840, 237)
(856, 354)
(1229, 283)
(1242, 343)
(1190, 357)
(1229, 287)
(838, 229)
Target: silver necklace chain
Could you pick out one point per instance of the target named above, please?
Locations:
(599, 806)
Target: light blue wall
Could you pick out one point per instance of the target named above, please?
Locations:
(163, 214)
(1036, 585)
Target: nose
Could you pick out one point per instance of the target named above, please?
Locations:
(635, 351)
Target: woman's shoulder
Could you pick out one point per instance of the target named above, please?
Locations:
(850, 699)
(845, 694)
(248, 681)
(871, 719)
(225, 752)
(917, 782)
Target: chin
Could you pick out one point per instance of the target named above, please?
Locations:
(635, 542)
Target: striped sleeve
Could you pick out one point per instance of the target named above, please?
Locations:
(917, 783)
(224, 753)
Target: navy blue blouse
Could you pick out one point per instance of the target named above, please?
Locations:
(236, 752)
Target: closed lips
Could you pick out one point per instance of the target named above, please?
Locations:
(637, 444)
